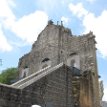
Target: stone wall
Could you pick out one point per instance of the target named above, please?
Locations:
(9, 97)
(53, 90)
(58, 44)
(86, 90)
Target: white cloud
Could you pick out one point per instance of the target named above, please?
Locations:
(4, 45)
(5, 14)
(96, 24)
(5, 10)
(11, 3)
(105, 95)
(28, 27)
(65, 20)
(78, 10)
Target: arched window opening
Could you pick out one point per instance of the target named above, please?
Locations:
(46, 59)
(72, 54)
(74, 60)
(25, 71)
(72, 63)
(46, 62)
(24, 75)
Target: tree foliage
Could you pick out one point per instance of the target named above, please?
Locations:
(8, 75)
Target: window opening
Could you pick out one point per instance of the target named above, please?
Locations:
(46, 59)
(73, 63)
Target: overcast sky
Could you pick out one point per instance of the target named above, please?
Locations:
(22, 20)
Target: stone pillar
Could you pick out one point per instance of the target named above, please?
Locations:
(86, 91)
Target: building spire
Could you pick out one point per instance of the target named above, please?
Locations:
(61, 23)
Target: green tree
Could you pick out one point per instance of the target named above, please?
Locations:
(8, 75)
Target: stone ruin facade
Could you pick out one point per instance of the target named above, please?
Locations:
(59, 71)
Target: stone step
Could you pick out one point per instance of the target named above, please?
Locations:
(35, 76)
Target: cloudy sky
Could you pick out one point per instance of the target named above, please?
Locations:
(22, 20)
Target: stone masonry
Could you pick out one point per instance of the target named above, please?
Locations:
(49, 85)
(54, 89)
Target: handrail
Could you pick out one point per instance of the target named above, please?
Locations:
(30, 76)
(35, 76)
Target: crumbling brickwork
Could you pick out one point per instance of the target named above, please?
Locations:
(54, 45)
